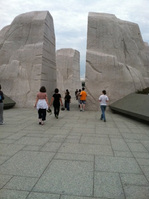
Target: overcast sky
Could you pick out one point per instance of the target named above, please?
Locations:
(70, 17)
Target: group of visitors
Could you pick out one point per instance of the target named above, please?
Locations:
(81, 97)
(103, 99)
(43, 105)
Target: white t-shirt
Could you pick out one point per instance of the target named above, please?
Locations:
(103, 99)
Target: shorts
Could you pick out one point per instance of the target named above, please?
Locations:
(82, 101)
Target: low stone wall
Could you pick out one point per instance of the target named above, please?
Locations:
(135, 105)
(8, 103)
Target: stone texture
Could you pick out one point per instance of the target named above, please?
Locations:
(67, 177)
(117, 58)
(135, 105)
(27, 57)
(8, 102)
(108, 185)
(68, 70)
(30, 164)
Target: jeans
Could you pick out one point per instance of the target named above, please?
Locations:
(103, 109)
(67, 106)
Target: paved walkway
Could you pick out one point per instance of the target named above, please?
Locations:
(74, 157)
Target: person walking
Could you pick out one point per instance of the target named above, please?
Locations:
(83, 96)
(103, 99)
(68, 100)
(56, 100)
(1, 106)
(78, 95)
(42, 104)
(65, 99)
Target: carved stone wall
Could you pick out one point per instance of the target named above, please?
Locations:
(68, 70)
(27, 57)
(117, 59)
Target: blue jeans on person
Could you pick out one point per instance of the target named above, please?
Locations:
(67, 106)
(103, 109)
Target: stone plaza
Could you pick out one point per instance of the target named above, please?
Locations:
(77, 156)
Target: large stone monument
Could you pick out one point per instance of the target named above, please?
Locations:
(117, 59)
(27, 57)
(68, 70)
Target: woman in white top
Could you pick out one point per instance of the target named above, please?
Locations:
(103, 99)
(42, 104)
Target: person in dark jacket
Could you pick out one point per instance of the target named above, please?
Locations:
(1, 106)
(64, 98)
(67, 100)
(56, 100)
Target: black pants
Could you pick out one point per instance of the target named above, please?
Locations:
(42, 114)
(56, 109)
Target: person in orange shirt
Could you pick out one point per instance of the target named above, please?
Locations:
(83, 96)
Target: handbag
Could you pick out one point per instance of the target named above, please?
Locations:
(49, 111)
(62, 109)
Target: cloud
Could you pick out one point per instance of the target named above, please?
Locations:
(70, 17)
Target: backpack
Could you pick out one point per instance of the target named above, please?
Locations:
(1, 96)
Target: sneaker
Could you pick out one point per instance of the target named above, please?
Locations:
(80, 109)
(56, 116)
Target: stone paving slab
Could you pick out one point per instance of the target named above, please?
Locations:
(77, 156)
(108, 185)
(133, 192)
(26, 163)
(21, 183)
(117, 164)
(86, 149)
(34, 195)
(67, 177)
(13, 194)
